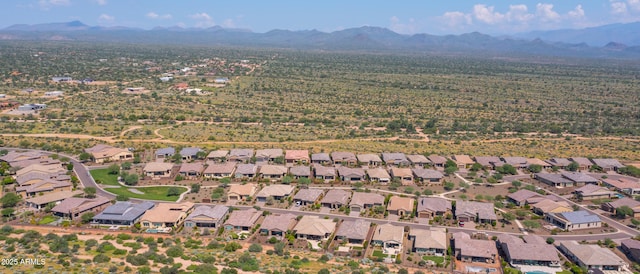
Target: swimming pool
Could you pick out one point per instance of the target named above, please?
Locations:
(536, 272)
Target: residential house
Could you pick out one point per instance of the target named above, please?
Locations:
(370, 159)
(353, 232)
(72, 208)
(308, 196)
(205, 216)
(314, 228)
(321, 158)
(324, 173)
(429, 207)
(379, 175)
(431, 241)
(218, 155)
(579, 179)
(389, 237)
(157, 170)
(560, 163)
(297, 157)
(363, 200)
(402, 174)
(592, 256)
(584, 164)
(269, 155)
(165, 153)
(246, 171)
(437, 161)
(517, 162)
(529, 254)
(489, 162)
(277, 192)
(242, 220)
(472, 250)
(351, 175)
(549, 206)
(36, 176)
(241, 192)
(190, 153)
(344, 158)
(608, 164)
(520, 197)
(336, 198)
(300, 172)
(428, 176)
(41, 162)
(418, 160)
(395, 159)
(104, 153)
(240, 155)
(555, 180)
(277, 225)
(631, 247)
(51, 170)
(273, 172)
(16, 156)
(475, 211)
(401, 206)
(625, 185)
(536, 161)
(191, 170)
(631, 203)
(39, 202)
(61, 79)
(165, 217)
(32, 107)
(590, 192)
(40, 187)
(574, 220)
(220, 170)
(463, 161)
(122, 213)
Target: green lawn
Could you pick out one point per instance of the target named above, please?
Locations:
(46, 219)
(435, 259)
(378, 253)
(150, 193)
(104, 176)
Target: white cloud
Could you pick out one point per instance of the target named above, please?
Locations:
(625, 11)
(618, 8)
(577, 13)
(203, 19)
(545, 13)
(634, 4)
(101, 2)
(486, 14)
(154, 15)
(404, 28)
(229, 23)
(105, 18)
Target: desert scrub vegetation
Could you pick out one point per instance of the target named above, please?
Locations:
(364, 101)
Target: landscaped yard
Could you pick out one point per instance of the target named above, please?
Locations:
(102, 175)
(378, 253)
(150, 193)
(46, 219)
(435, 259)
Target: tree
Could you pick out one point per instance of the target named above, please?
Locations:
(278, 248)
(304, 181)
(531, 224)
(573, 166)
(448, 185)
(195, 188)
(131, 179)
(508, 216)
(84, 156)
(175, 251)
(7, 212)
(126, 165)
(232, 247)
(8, 180)
(507, 169)
(122, 198)
(87, 217)
(255, 248)
(476, 167)
(534, 168)
(516, 183)
(173, 191)
(113, 169)
(10, 200)
(624, 211)
(450, 170)
(90, 192)
(287, 179)
(324, 271)
(550, 240)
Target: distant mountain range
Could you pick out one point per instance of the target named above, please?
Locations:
(623, 40)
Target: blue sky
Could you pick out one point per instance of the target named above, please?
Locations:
(408, 17)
